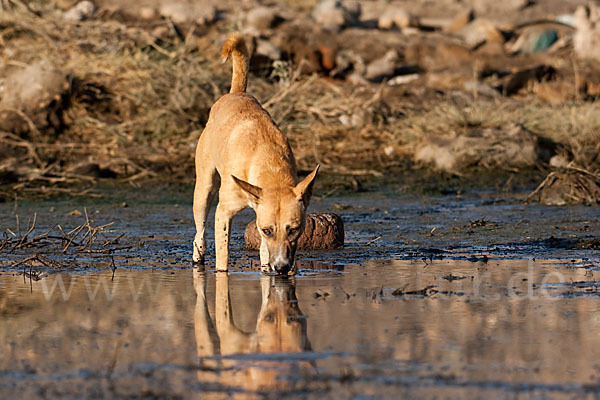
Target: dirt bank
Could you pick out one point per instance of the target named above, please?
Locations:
(117, 90)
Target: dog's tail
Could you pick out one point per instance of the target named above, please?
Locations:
(235, 47)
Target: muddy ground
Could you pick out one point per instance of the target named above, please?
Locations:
(433, 297)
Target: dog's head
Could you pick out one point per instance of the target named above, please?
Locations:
(280, 217)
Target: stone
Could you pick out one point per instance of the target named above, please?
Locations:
(33, 99)
(335, 14)
(479, 31)
(586, 40)
(382, 68)
(184, 13)
(394, 16)
(322, 231)
(147, 13)
(81, 11)
(268, 49)
(460, 21)
(262, 18)
(509, 146)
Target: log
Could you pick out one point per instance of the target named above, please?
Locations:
(321, 231)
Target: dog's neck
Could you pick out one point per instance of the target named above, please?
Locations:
(272, 173)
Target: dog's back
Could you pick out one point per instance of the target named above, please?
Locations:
(237, 121)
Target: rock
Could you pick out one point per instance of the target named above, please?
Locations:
(558, 161)
(508, 146)
(267, 49)
(491, 6)
(81, 11)
(322, 231)
(33, 99)
(356, 119)
(335, 14)
(383, 67)
(262, 18)
(460, 21)
(403, 79)
(65, 5)
(586, 41)
(147, 13)
(394, 16)
(182, 13)
(348, 62)
(479, 31)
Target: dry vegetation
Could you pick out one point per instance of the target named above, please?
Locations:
(57, 248)
(128, 103)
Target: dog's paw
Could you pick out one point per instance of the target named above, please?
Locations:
(198, 255)
(221, 269)
(265, 268)
(198, 259)
(198, 263)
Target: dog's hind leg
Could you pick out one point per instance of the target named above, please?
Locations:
(207, 184)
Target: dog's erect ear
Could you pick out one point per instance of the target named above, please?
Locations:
(253, 193)
(304, 189)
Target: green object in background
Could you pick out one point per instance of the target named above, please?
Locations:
(545, 40)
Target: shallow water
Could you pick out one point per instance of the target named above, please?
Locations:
(495, 302)
(506, 329)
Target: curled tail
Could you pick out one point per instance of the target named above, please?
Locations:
(236, 46)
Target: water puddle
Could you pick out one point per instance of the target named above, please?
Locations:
(383, 329)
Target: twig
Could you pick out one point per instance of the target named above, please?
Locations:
(373, 240)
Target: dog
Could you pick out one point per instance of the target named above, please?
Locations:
(243, 154)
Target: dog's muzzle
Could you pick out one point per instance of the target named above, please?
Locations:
(281, 268)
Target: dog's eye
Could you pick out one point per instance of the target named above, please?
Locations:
(292, 231)
(268, 231)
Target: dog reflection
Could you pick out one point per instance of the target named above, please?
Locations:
(280, 328)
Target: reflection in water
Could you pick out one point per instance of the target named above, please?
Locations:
(280, 328)
(514, 329)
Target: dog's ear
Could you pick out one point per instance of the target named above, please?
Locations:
(253, 193)
(304, 189)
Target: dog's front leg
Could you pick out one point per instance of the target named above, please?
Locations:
(264, 257)
(223, 217)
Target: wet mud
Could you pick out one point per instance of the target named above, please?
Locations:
(431, 297)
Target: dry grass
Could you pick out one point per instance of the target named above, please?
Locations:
(574, 127)
(137, 104)
(57, 249)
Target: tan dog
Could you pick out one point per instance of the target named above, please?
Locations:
(242, 149)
